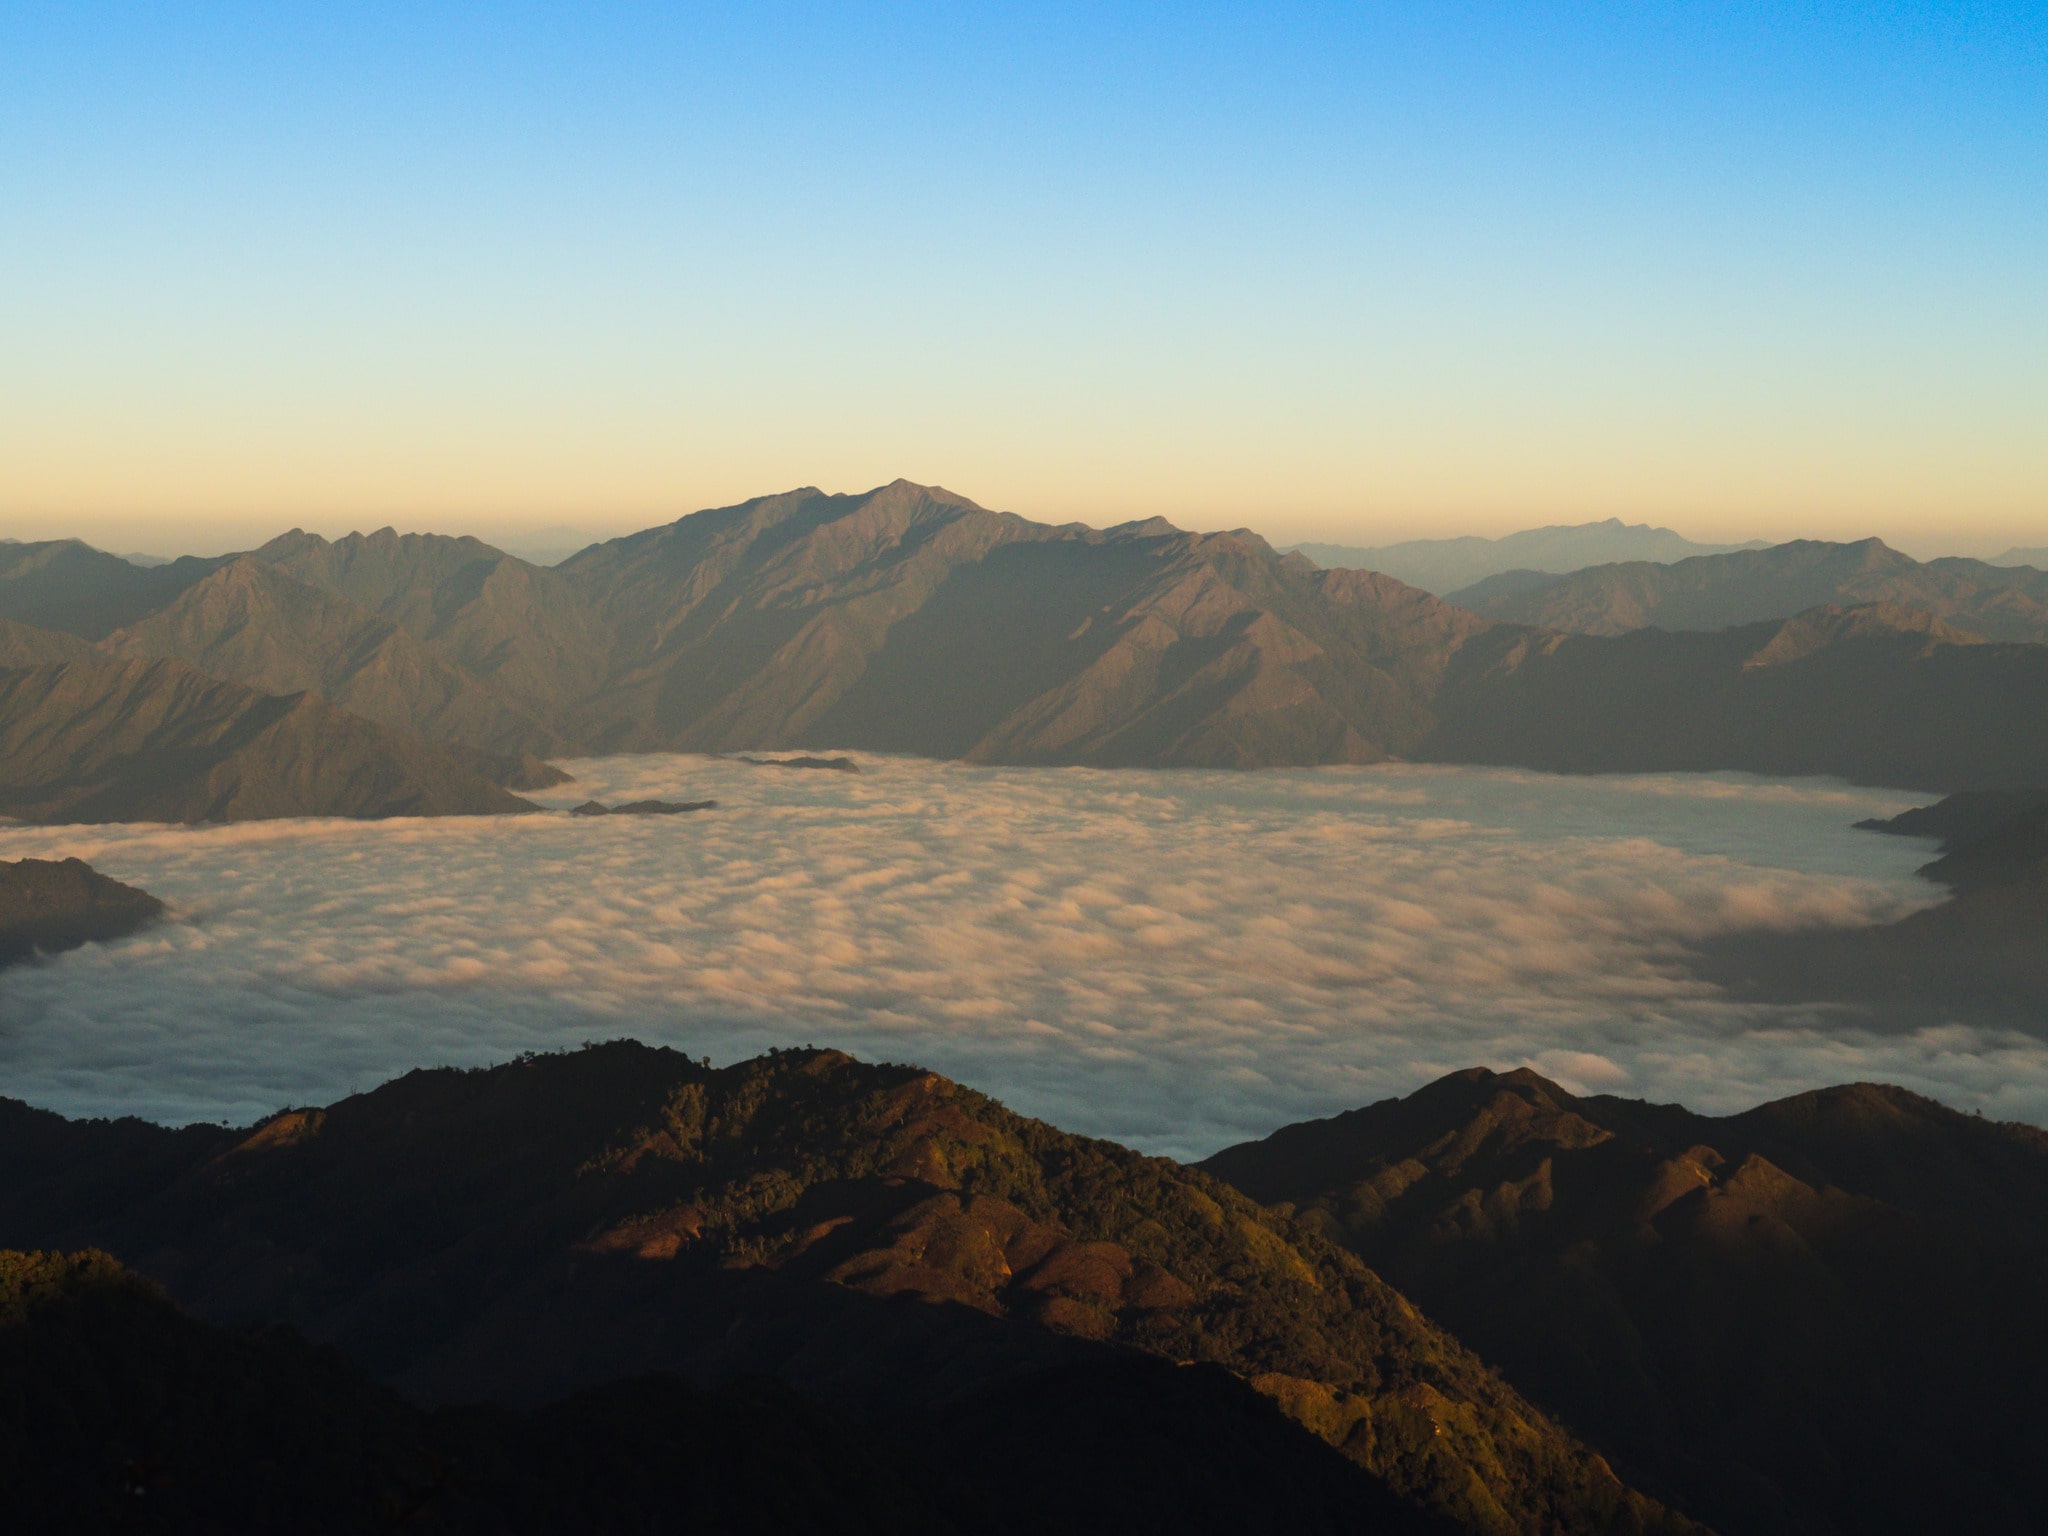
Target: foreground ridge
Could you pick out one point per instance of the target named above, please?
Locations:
(1821, 1314)
(878, 1237)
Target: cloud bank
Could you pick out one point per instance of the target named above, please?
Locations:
(1177, 960)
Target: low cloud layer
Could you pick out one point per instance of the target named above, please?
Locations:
(1176, 960)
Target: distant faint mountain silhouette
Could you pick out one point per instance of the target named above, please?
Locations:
(1443, 566)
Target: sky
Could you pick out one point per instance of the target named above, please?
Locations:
(1342, 272)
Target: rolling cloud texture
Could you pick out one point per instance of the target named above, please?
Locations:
(1177, 960)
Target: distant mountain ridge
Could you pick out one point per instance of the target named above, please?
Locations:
(1880, 694)
(908, 619)
(1444, 566)
(1706, 592)
(913, 620)
(250, 622)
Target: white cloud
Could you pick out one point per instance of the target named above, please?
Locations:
(1174, 959)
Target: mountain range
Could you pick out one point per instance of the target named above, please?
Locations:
(1444, 566)
(910, 620)
(1817, 1316)
(1720, 591)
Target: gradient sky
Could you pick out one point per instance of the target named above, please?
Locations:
(1337, 272)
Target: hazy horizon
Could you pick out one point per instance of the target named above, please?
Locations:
(556, 539)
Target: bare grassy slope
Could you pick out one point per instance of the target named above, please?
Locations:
(910, 619)
(517, 627)
(248, 622)
(155, 740)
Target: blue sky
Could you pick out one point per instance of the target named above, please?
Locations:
(1328, 271)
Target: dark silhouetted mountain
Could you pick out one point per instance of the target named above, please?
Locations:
(882, 1240)
(158, 741)
(1880, 695)
(1444, 566)
(47, 905)
(1751, 586)
(823, 764)
(68, 585)
(642, 808)
(1819, 1316)
(121, 1412)
(1979, 957)
(1990, 839)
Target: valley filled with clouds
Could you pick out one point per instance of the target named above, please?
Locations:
(1174, 959)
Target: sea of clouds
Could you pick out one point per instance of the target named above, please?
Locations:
(1174, 959)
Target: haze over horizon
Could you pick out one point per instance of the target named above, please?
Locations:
(1332, 277)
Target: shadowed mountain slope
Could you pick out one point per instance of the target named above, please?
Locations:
(48, 905)
(1444, 566)
(158, 741)
(1751, 586)
(1818, 1316)
(67, 585)
(249, 622)
(1980, 957)
(1881, 695)
(880, 1238)
(120, 1409)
